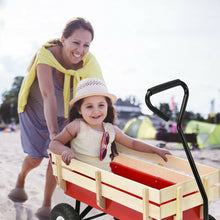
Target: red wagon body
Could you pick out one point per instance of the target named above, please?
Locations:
(139, 188)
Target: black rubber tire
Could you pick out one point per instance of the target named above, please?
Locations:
(64, 210)
(211, 217)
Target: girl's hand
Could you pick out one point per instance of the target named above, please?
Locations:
(67, 155)
(162, 153)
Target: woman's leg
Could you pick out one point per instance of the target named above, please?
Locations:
(29, 163)
(18, 193)
(50, 186)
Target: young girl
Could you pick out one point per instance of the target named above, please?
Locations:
(91, 130)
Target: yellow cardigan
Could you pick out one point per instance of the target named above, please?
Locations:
(90, 69)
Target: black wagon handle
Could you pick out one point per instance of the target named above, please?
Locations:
(166, 86)
(162, 87)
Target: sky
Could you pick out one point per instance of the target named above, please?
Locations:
(139, 44)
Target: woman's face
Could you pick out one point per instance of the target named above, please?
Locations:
(94, 110)
(76, 46)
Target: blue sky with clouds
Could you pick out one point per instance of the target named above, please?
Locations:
(139, 44)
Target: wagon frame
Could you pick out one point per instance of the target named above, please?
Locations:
(111, 191)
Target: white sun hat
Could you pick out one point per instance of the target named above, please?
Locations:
(90, 87)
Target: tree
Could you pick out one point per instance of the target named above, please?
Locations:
(8, 109)
(214, 118)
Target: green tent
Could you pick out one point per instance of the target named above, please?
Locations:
(141, 128)
(208, 134)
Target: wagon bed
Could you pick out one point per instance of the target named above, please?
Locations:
(141, 186)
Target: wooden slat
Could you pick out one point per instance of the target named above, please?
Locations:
(214, 193)
(146, 204)
(61, 182)
(190, 186)
(151, 169)
(173, 162)
(169, 193)
(212, 177)
(179, 199)
(188, 202)
(101, 201)
(201, 212)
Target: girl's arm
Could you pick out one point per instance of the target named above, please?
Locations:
(45, 80)
(57, 145)
(138, 145)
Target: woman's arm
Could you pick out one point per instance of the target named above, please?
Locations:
(46, 84)
(138, 145)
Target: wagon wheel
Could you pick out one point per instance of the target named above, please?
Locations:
(211, 217)
(64, 211)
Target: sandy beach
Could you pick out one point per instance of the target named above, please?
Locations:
(11, 158)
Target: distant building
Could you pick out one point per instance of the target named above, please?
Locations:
(126, 111)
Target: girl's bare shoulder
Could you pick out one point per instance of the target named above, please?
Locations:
(117, 129)
(75, 124)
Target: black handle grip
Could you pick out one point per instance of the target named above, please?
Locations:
(164, 86)
(160, 88)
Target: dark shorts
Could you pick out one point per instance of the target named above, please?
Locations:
(34, 133)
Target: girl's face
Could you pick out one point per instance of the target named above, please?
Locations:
(76, 46)
(94, 111)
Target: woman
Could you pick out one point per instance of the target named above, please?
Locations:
(43, 101)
